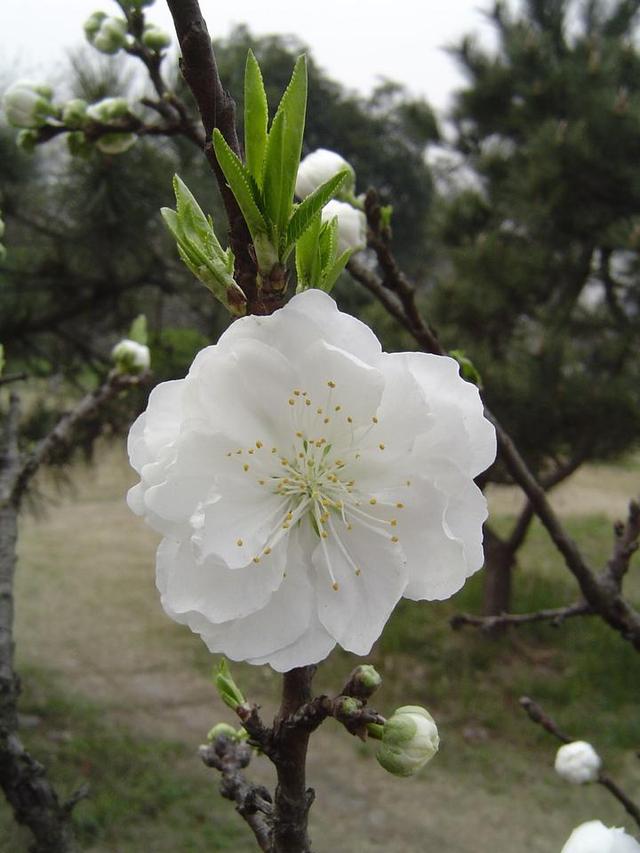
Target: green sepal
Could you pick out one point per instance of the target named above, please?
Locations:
(138, 330)
(256, 119)
(284, 147)
(307, 209)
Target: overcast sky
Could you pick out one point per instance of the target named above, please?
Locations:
(356, 42)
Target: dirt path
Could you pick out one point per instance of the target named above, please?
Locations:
(88, 609)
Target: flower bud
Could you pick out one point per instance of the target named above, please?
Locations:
(352, 225)
(595, 837)
(229, 691)
(108, 35)
(116, 143)
(28, 105)
(222, 729)
(320, 166)
(409, 740)
(577, 762)
(155, 39)
(26, 141)
(108, 109)
(363, 682)
(131, 357)
(74, 113)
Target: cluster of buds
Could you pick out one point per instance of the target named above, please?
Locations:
(155, 38)
(108, 35)
(108, 111)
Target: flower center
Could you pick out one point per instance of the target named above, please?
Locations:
(314, 479)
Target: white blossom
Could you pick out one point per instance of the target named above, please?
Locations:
(304, 481)
(577, 762)
(352, 225)
(27, 104)
(595, 837)
(320, 166)
(410, 739)
(130, 356)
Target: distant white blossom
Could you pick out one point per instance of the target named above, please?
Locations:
(320, 166)
(578, 762)
(352, 225)
(595, 837)
(304, 481)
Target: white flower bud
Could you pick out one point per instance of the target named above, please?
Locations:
(74, 113)
(318, 167)
(352, 225)
(595, 837)
(27, 105)
(155, 39)
(116, 143)
(108, 35)
(108, 109)
(131, 357)
(409, 740)
(577, 762)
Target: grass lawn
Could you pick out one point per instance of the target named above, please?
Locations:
(117, 695)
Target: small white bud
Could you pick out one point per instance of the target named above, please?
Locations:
(74, 113)
(131, 357)
(409, 740)
(595, 837)
(352, 225)
(108, 35)
(577, 762)
(108, 109)
(155, 39)
(27, 105)
(320, 166)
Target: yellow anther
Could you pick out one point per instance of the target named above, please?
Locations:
(251, 451)
(331, 383)
(285, 526)
(239, 543)
(335, 585)
(289, 516)
(324, 517)
(291, 401)
(394, 522)
(373, 501)
(259, 444)
(381, 446)
(408, 482)
(400, 505)
(319, 410)
(301, 455)
(267, 551)
(299, 435)
(324, 534)
(245, 467)
(394, 539)
(337, 408)
(374, 419)
(229, 453)
(349, 419)
(262, 482)
(307, 402)
(256, 559)
(274, 449)
(349, 526)
(326, 420)
(297, 393)
(238, 453)
(304, 393)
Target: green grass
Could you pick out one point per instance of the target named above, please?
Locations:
(144, 793)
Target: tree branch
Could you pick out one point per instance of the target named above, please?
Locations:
(539, 716)
(488, 623)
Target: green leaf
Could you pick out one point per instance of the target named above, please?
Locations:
(284, 147)
(240, 182)
(330, 276)
(138, 330)
(308, 255)
(312, 204)
(256, 118)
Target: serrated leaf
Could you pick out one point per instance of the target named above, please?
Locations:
(284, 147)
(328, 242)
(308, 254)
(256, 119)
(239, 180)
(307, 209)
(138, 330)
(193, 223)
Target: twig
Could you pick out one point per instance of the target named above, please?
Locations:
(539, 716)
(253, 802)
(554, 615)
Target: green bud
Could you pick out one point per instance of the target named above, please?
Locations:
(26, 141)
(221, 729)
(365, 680)
(409, 740)
(200, 249)
(28, 105)
(116, 143)
(229, 691)
(74, 113)
(348, 706)
(78, 145)
(109, 37)
(93, 24)
(108, 109)
(155, 39)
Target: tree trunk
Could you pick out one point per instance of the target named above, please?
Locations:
(498, 569)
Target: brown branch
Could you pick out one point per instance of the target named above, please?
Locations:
(538, 715)
(626, 540)
(253, 802)
(556, 616)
